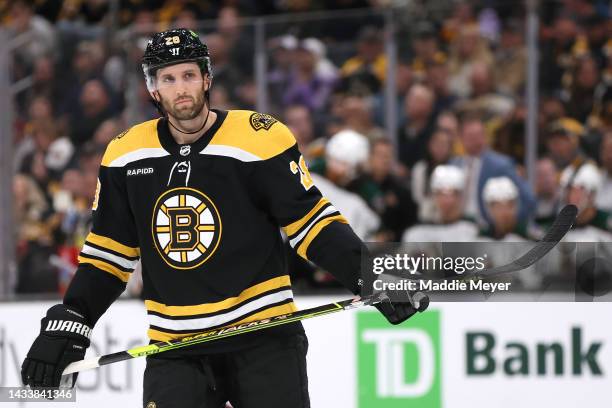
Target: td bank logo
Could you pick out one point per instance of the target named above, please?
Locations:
(398, 366)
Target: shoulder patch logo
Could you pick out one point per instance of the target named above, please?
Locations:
(262, 121)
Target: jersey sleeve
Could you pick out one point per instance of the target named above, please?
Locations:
(315, 229)
(110, 252)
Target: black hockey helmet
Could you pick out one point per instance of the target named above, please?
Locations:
(171, 47)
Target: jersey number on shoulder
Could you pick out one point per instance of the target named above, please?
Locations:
(301, 168)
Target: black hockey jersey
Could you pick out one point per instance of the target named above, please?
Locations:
(203, 220)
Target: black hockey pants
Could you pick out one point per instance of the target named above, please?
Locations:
(269, 375)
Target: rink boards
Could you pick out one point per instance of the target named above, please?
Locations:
(454, 355)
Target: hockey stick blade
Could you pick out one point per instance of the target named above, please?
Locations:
(561, 225)
(221, 333)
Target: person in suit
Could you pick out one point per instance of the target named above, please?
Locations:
(481, 163)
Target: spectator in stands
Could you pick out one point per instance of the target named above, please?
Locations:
(462, 16)
(366, 71)
(483, 97)
(448, 121)
(238, 37)
(107, 131)
(563, 143)
(385, 193)
(481, 163)
(187, 17)
(404, 79)
(87, 64)
(581, 92)
(439, 151)
(547, 191)
(592, 224)
(437, 77)
(447, 185)
(468, 49)
(356, 113)
(282, 50)
(509, 135)
(42, 41)
(93, 109)
(307, 86)
(604, 197)
(600, 120)
(44, 84)
(425, 48)
(33, 238)
(557, 53)
(511, 59)
(54, 150)
(226, 74)
(415, 133)
(31, 207)
(299, 120)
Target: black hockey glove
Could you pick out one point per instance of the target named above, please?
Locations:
(399, 310)
(63, 339)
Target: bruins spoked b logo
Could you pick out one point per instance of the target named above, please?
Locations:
(186, 227)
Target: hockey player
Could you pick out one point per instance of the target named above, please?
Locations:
(447, 186)
(581, 187)
(501, 196)
(197, 197)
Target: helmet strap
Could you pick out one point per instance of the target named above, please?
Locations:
(194, 132)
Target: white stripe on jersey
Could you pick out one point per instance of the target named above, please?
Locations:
(139, 154)
(206, 322)
(327, 211)
(230, 151)
(126, 263)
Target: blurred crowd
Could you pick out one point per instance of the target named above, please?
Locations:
(453, 170)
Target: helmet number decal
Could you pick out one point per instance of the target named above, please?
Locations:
(172, 40)
(175, 51)
(301, 168)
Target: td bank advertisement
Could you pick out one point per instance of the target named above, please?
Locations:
(453, 355)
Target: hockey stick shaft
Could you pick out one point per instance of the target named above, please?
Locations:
(561, 225)
(217, 334)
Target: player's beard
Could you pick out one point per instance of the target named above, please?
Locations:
(185, 111)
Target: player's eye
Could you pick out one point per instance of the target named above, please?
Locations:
(189, 76)
(167, 79)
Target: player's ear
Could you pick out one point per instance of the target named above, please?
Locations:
(208, 81)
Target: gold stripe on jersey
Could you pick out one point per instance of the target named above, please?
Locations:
(111, 244)
(141, 136)
(158, 335)
(296, 225)
(314, 231)
(205, 308)
(237, 132)
(106, 267)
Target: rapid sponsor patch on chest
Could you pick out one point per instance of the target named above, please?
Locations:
(140, 171)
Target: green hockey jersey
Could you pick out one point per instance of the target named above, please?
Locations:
(203, 220)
